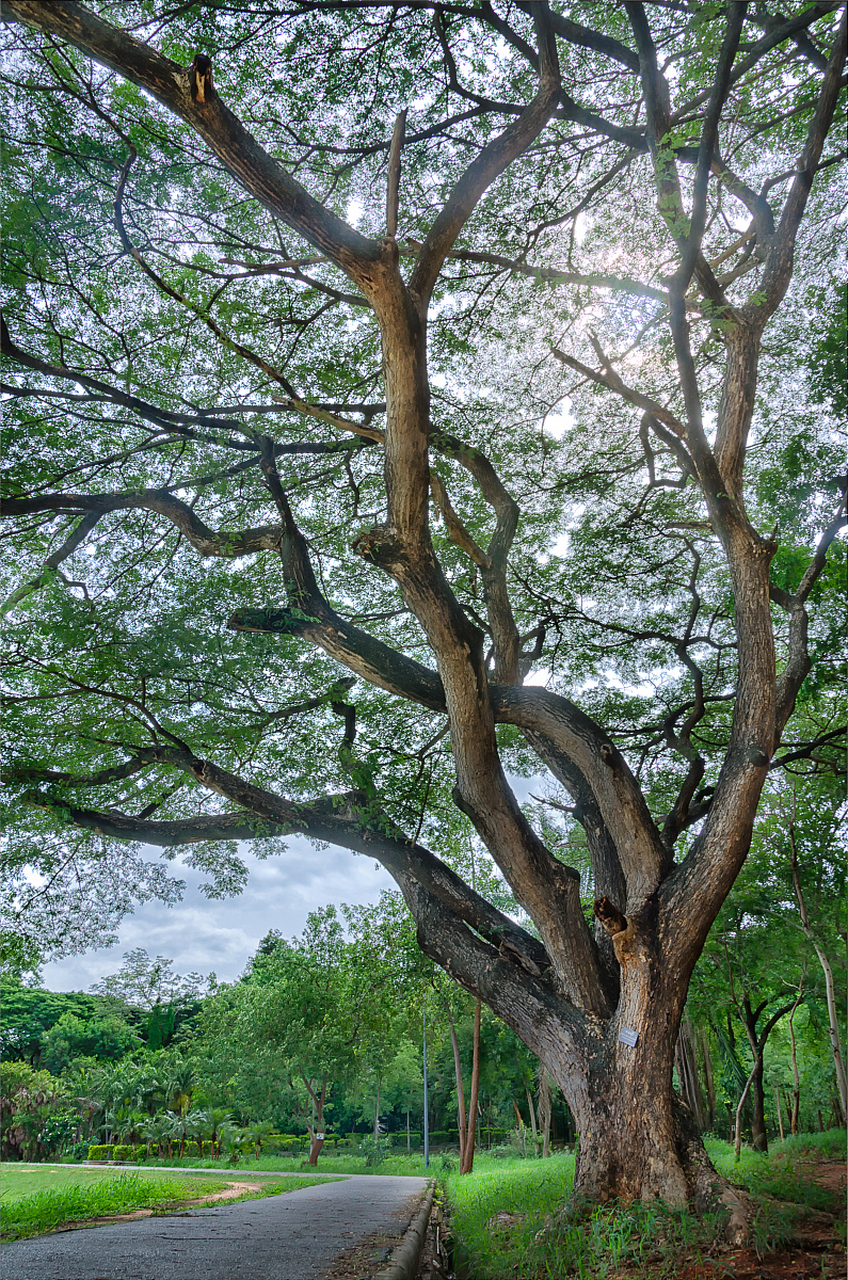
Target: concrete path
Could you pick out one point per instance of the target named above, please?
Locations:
(295, 1236)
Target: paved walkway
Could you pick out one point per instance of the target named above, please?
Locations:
(294, 1236)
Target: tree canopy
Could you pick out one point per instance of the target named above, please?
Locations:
(402, 399)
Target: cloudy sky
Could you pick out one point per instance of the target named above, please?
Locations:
(203, 934)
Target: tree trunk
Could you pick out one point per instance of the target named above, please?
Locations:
(460, 1090)
(833, 1029)
(315, 1145)
(545, 1111)
(317, 1126)
(638, 1140)
(759, 1137)
(709, 1079)
(740, 1107)
(750, 1018)
(467, 1162)
(779, 1112)
(796, 1088)
(377, 1113)
(534, 1128)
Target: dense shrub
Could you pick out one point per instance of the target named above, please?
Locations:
(120, 1151)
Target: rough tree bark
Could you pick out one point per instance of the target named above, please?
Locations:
(602, 1010)
(315, 1124)
(686, 1062)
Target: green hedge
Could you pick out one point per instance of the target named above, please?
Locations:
(444, 1138)
(117, 1151)
(447, 1137)
(284, 1143)
(298, 1143)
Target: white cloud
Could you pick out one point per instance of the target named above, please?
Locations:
(219, 935)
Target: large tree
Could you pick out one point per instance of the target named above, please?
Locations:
(365, 359)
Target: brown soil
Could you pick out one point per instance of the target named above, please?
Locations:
(363, 1259)
(814, 1251)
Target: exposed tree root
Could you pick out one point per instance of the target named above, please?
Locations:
(711, 1193)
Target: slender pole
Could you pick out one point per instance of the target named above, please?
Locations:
(426, 1116)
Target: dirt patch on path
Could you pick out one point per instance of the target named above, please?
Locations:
(372, 1252)
(232, 1191)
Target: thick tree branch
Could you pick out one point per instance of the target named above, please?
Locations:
(393, 176)
(543, 1020)
(491, 162)
(151, 413)
(778, 266)
(181, 423)
(201, 537)
(644, 860)
(350, 820)
(798, 664)
(611, 380)
(75, 539)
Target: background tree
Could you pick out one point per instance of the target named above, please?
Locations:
(760, 964)
(106, 1037)
(817, 837)
(310, 1013)
(30, 1012)
(282, 283)
(168, 1000)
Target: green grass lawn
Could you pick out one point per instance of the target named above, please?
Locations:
(505, 1222)
(36, 1198)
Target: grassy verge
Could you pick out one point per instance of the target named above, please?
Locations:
(75, 1195)
(402, 1165)
(505, 1222)
(783, 1175)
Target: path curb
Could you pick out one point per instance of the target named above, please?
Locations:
(403, 1263)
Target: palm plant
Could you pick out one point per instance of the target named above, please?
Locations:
(257, 1132)
(197, 1125)
(158, 1129)
(179, 1085)
(219, 1118)
(127, 1122)
(236, 1141)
